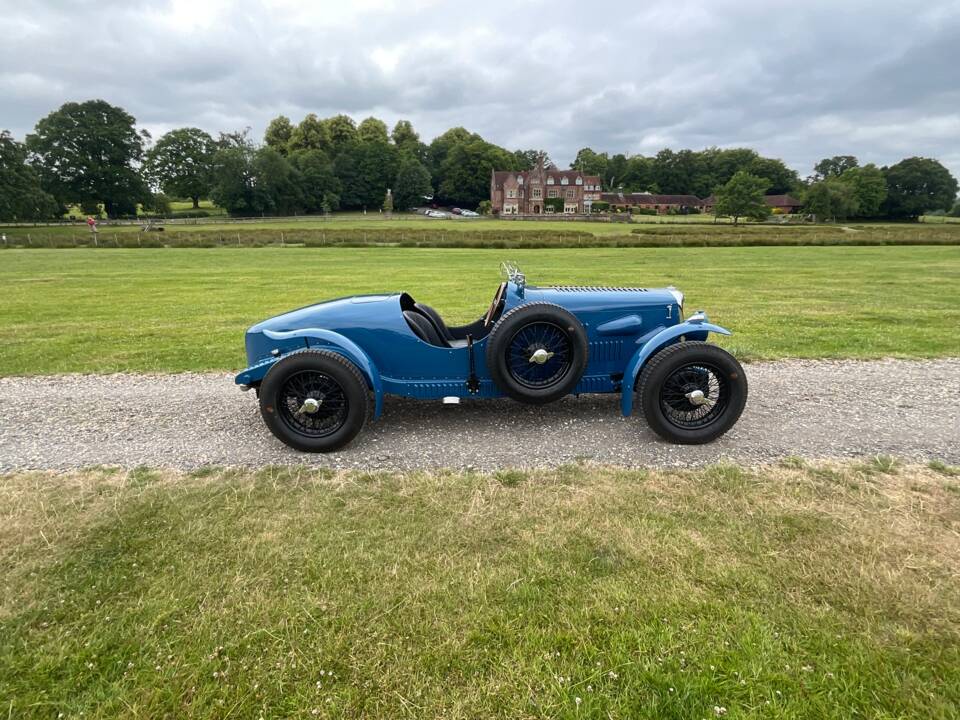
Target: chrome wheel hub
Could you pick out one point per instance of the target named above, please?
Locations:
(696, 397)
(540, 356)
(310, 406)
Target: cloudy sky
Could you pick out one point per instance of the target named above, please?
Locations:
(800, 81)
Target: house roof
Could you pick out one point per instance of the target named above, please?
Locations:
(499, 176)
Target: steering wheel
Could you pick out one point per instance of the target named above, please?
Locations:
(495, 304)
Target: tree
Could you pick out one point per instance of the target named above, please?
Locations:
(278, 134)
(781, 178)
(181, 162)
(372, 130)
(528, 159)
(831, 200)
(869, 188)
(411, 185)
(21, 197)
(311, 134)
(341, 132)
(277, 185)
(743, 196)
(834, 166)
(89, 153)
(589, 162)
(466, 171)
(317, 181)
(403, 134)
(365, 171)
(916, 185)
(234, 181)
(408, 141)
(440, 148)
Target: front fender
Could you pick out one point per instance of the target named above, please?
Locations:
(696, 328)
(327, 340)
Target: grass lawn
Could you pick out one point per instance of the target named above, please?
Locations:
(173, 310)
(804, 591)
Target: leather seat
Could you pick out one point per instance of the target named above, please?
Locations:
(434, 317)
(423, 328)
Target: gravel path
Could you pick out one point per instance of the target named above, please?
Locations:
(816, 409)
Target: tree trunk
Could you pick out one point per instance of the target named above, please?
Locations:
(196, 202)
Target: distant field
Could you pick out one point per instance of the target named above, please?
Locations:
(171, 310)
(411, 231)
(801, 591)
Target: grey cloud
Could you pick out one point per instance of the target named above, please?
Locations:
(875, 79)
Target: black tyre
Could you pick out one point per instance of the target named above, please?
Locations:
(537, 352)
(692, 392)
(314, 400)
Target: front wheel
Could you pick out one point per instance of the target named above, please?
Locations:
(692, 392)
(314, 400)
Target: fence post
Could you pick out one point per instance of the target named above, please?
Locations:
(238, 239)
(281, 238)
(29, 241)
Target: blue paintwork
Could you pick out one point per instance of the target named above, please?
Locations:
(624, 326)
(693, 329)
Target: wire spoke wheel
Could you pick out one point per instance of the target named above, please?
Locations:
(539, 355)
(312, 404)
(694, 396)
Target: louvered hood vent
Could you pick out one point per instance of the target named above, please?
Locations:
(595, 288)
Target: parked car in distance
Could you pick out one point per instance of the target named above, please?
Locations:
(319, 370)
(436, 214)
(469, 213)
(456, 211)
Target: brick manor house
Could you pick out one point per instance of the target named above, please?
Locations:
(542, 190)
(549, 191)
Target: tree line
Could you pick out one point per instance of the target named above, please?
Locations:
(91, 154)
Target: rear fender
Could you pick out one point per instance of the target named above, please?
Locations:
(325, 340)
(696, 328)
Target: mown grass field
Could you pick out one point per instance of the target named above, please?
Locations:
(803, 591)
(175, 310)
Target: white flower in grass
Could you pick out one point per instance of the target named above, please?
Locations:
(612, 675)
(578, 700)
(719, 710)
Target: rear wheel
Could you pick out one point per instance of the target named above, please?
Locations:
(692, 392)
(314, 400)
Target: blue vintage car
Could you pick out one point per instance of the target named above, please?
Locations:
(316, 369)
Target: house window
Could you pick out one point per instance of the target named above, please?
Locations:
(537, 193)
(553, 192)
(579, 181)
(520, 192)
(549, 181)
(571, 194)
(570, 208)
(510, 209)
(520, 180)
(564, 181)
(511, 193)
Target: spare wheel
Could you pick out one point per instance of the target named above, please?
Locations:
(536, 353)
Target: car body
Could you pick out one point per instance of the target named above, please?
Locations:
(596, 339)
(435, 214)
(456, 211)
(469, 213)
